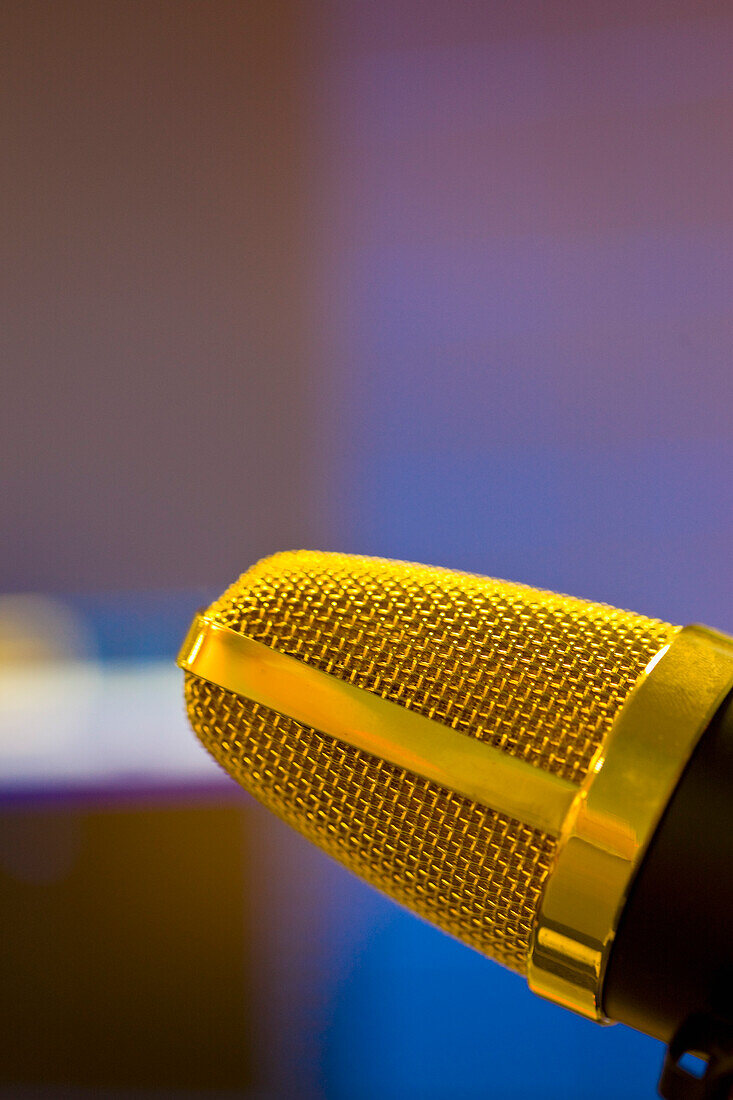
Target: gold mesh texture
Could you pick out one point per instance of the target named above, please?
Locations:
(538, 675)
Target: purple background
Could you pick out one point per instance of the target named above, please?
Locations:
(442, 281)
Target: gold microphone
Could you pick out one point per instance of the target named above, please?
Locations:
(495, 757)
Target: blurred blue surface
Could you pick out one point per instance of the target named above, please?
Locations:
(417, 1015)
(138, 625)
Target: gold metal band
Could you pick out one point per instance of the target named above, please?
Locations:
(611, 824)
(366, 721)
(604, 826)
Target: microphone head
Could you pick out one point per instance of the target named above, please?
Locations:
(537, 676)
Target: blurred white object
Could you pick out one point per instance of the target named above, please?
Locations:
(68, 720)
(80, 723)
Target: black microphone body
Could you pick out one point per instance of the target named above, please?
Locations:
(672, 957)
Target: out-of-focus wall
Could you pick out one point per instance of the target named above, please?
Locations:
(439, 279)
(156, 404)
(528, 275)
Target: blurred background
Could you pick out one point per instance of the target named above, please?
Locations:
(445, 281)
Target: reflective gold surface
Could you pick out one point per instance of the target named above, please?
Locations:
(538, 676)
(406, 739)
(611, 824)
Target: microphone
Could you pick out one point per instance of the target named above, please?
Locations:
(548, 779)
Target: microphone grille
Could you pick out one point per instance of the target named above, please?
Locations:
(538, 675)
